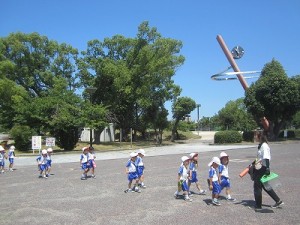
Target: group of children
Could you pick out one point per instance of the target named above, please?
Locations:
(10, 157)
(44, 162)
(218, 177)
(87, 162)
(135, 171)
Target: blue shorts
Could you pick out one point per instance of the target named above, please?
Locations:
(43, 167)
(225, 182)
(2, 163)
(11, 160)
(140, 171)
(49, 163)
(91, 163)
(85, 166)
(184, 186)
(216, 187)
(194, 177)
(132, 176)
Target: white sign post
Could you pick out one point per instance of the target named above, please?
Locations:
(36, 143)
(50, 142)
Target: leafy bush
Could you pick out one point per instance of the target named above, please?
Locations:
(248, 136)
(22, 137)
(228, 136)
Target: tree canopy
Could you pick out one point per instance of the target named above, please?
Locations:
(42, 80)
(274, 95)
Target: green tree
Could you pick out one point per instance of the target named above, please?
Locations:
(296, 120)
(132, 75)
(39, 83)
(234, 116)
(180, 108)
(274, 96)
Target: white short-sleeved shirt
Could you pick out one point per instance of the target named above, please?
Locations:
(263, 153)
(223, 170)
(84, 158)
(91, 156)
(139, 161)
(212, 173)
(183, 172)
(11, 154)
(131, 167)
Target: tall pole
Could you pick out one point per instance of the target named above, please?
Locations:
(232, 61)
(198, 127)
(235, 67)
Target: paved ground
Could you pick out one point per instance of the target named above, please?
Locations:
(65, 199)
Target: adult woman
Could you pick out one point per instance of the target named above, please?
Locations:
(262, 167)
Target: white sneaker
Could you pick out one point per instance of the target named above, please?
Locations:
(202, 192)
(128, 190)
(188, 199)
(217, 203)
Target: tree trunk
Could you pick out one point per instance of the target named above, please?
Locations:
(174, 130)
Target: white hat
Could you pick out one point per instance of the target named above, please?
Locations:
(133, 154)
(142, 151)
(193, 154)
(214, 160)
(85, 148)
(1, 148)
(49, 150)
(184, 158)
(12, 148)
(44, 151)
(223, 154)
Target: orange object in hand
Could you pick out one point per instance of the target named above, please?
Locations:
(244, 172)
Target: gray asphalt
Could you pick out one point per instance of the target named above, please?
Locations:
(65, 199)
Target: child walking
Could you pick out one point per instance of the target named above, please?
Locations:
(42, 164)
(49, 161)
(3, 156)
(140, 167)
(213, 180)
(84, 162)
(132, 174)
(92, 162)
(193, 173)
(224, 175)
(11, 157)
(182, 179)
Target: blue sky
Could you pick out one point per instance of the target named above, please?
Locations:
(265, 29)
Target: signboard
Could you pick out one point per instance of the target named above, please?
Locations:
(50, 142)
(36, 142)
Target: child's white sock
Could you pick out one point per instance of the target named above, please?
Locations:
(229, 196)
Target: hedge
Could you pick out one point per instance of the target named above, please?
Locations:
(228, 136)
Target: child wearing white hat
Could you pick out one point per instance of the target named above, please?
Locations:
(3, 156)
(11, 157)
(213, 180)
(42, 163)
(193, 173)
(49, 161)
(132, 174)
(84, 162)
(92, 162)
(182, 179)
(140, 167)
(224, 175)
